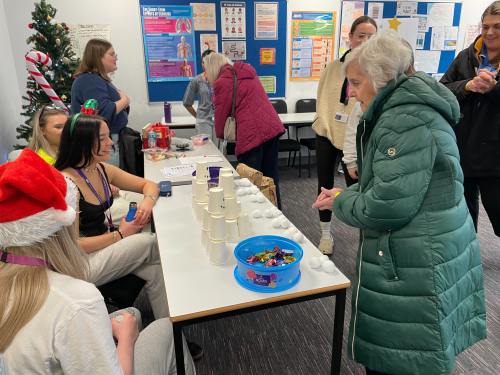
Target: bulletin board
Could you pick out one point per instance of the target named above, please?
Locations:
(390, 10)
(174, 91)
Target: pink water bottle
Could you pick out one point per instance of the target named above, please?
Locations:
(168, 112)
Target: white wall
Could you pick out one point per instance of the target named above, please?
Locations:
(10, 97)
(123, 16)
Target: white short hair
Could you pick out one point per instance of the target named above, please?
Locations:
(383, 58)
(213, 64)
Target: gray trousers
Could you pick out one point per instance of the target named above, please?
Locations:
(138, 255)
(154, 349)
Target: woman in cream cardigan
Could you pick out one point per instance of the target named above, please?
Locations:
(332, 111)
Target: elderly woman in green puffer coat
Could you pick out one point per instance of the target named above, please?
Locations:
(418, 297)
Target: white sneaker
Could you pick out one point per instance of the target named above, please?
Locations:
(326, 245)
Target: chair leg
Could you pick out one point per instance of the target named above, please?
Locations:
(293, 161)
(309, 161)
(289, 154)
(300, 163)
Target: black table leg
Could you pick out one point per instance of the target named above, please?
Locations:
(179, 352)
(338, 331)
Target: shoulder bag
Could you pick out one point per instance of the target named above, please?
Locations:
(230, 125)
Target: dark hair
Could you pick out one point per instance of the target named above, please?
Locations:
(206, 53)
(493, 10)
(80, 143)
(363, 19)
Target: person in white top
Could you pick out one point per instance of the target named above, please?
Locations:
(52, 320)
(350, 157)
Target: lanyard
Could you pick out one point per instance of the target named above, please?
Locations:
(210, 91)
(106, 191)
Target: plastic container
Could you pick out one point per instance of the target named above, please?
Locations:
(155, 154)
(262, 279)
(214, 176)
(200, 139)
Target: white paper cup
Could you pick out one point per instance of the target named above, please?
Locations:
(202, 173)
(218, 228)
(193, 185)
(232, 230)
(209, 244)
(206, 219)
(201, 191)
(226, 181)
(204, 237)
(239, 205)
(232, 211)
(218, 253)
(244, 224)
(225, 170)
(216, 202)
(193, 203)
(200, 208)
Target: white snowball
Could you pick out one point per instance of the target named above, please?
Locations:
(260, 194)
(281, 217)
(293, 230)
(256, 214)
(287, 234)
(248, 190)
(285, 223)
(276, 223)
(241, 192)
(261, 198)
(253, 198)
(298, 237)
(328, 266)
(276, 213)
(314, 262)
(248, 183)
(323, 258)
(255, 189)
(268, 213)
(236, 183)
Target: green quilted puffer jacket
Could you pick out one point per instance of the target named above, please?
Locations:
(418, 297)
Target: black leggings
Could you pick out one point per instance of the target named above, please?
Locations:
(489, 187)
(326, 162)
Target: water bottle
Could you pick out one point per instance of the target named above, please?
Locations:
(168, 112)
(131, 211)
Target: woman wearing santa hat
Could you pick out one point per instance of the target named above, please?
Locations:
(115, 251)
(52, 320)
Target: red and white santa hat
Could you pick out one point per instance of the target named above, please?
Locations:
(36, 200)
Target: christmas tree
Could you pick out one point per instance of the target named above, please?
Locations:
(51, 38)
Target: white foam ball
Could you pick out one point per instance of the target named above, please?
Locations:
(314, 262)
(247, 182)
(256, 214)
(241, 192)
(276, 223)
(261, 198)
(285, 223)
(253, 198)
(255, 189)
(248, 190)
(236, 183)
(293, 230)
(287, 234)
(323, 258)
(260, 194)
(298, 237)
(328, 266)
(268, 213)
(276, 213)
(281, 217)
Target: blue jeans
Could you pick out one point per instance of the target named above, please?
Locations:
(115, 156)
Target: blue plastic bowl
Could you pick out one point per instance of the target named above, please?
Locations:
(262, 279)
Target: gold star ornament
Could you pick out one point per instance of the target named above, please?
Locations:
(394, 23)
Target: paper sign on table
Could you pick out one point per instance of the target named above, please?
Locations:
(193, 159)
(427, 61)
(406, 8)
(440, 14)
(180, 170)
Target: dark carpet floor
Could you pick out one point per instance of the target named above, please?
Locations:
(297, 339)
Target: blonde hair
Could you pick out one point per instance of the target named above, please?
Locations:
(25, 288)
(213, 64)
(38, 141)
(92, 58)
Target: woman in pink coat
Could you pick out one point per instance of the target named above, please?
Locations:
(258, 125)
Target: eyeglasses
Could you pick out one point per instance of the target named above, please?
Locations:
(363, 36)
(51, 107)
(113, 55)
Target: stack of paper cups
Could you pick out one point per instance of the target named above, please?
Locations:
(226, 182)
(202, 173)
(206, 219)
(200, 209)
(244, 224)
(232, 230)
(218, 253)
(225, 170)
(204, 237)
(201, 191)
(218, 228)
(216, 201)
(232, 211)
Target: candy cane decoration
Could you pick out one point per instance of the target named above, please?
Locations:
(31, 59)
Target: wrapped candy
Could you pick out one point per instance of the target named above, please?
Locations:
(252, 259)
(270, 263)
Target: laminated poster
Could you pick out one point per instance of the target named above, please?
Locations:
(313, 35)
(420, 41)
(444, 38)
(407, 28)
(471, 33)
(423, 22)
(427, 61)
(266, 20)
(235, 50)
(209, 41)
(204, 16)
(375, 10)
(406, 8)
(440, 14)
(233, 20)
(269, 84)
(267, 56)
(350, 11)
(169, 43)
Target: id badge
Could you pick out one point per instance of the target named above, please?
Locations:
(342, 117)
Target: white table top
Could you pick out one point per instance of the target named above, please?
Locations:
(197, 288)
(152, 168)
(297, 118)
(180, 121)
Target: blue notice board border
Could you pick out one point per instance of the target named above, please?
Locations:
(390, 9)
(174, 91)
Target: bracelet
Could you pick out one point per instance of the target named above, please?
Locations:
(466, 88)
(114, 236)
(153, 198)
(120, 233)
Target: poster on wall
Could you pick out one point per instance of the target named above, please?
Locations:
(204, 16)
(375, 10)
(444, 38)
(407, 28)
(471, 33)
(235, 50)
(350, 11)
(169, 43)
(81, 33)
(209, 41)
(266, 20)
(233, 20)
(406, 8)
(313, 35)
